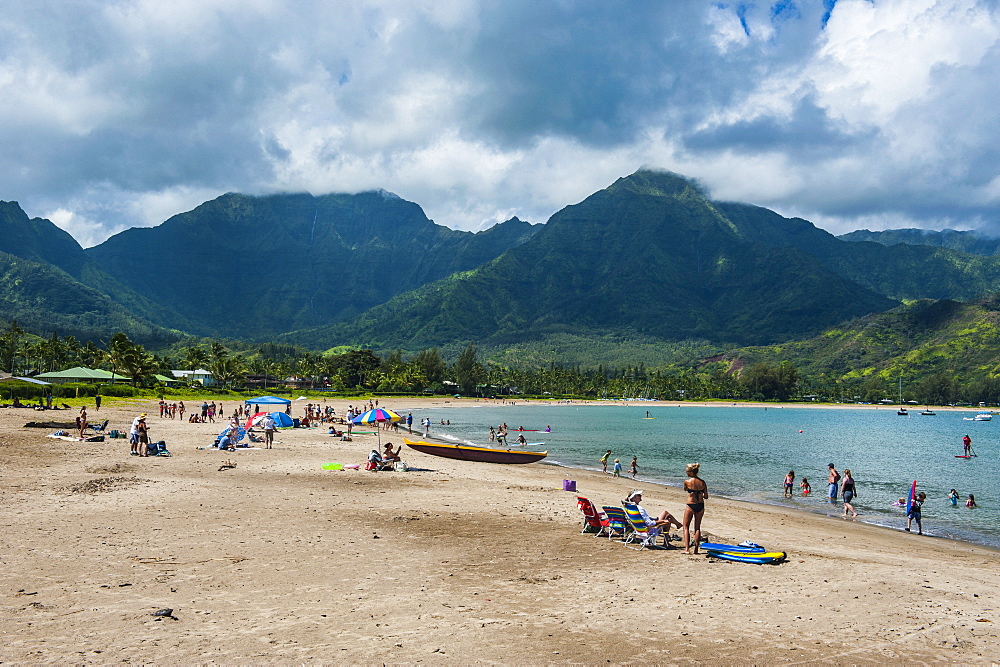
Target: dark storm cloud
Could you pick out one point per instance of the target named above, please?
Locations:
(123, 113)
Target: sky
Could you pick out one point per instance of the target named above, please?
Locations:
(850, 113)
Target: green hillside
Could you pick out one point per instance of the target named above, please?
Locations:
(43, 299)
(972, 242)
(899, 272)
(915, 343)
(648, 256)
(254, 267)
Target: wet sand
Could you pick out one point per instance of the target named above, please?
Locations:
(277, 561)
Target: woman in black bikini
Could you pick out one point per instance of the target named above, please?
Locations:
(697, 493)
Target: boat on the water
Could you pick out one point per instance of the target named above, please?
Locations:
(983, 417)
(472, 453)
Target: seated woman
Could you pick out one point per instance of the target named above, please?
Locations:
(662, 522)
(391, 456)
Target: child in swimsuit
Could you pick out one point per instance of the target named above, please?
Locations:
(789, 483)
(804, 485)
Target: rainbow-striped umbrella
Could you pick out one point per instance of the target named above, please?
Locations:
(377, 415)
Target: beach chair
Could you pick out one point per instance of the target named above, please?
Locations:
(591, 517)
(618, 523)
(642, 533)
(99, 428)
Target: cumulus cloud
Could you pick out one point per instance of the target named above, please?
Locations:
(847, 112)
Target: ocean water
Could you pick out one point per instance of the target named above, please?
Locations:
(745, 453)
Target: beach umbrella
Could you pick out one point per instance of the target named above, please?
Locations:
(256, 419)
(240, 432)
(377, 415)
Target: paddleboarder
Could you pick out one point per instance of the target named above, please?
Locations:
(967, 442)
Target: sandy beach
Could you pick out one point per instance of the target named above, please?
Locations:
(276, 560)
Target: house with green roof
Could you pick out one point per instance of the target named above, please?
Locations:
(81, 374)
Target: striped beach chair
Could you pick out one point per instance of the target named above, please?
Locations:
(641, 533)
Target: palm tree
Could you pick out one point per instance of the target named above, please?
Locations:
(137, 363)
(195, 357)
(228, 369)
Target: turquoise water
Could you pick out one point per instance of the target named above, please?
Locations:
(745, 452)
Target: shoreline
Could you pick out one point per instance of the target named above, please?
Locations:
(819, 511)
(276, 560)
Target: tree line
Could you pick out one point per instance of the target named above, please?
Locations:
(233, 362)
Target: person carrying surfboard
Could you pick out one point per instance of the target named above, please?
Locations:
(914, 514)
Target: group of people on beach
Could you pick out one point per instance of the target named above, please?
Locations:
(616, 468)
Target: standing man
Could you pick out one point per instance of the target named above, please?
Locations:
(967, 441)
(427, 425)
(97, 404)
(268, 431)
(133, 434)
(831, 481)
(409, 422)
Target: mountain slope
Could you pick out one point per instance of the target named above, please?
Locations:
(43, 298)
(254, 267)
(56, 255)
(896, 271)
(649, 255)
(917, 339)
(971, 242)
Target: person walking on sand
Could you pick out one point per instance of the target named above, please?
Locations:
(789, 483)
(268, 431)
(914, 513)
(604, 459)
(848, 493)
(697, 492)
(831, 481)
(617, 468)
(633, 468)
(967, 443)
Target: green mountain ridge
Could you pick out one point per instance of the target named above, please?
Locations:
(648, 263)
(972, 242)
(649, 255)
(43, 298)
(254, 267)
(911, 343)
